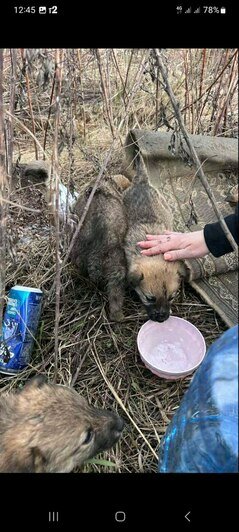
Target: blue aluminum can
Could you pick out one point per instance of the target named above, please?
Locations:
(20, 324)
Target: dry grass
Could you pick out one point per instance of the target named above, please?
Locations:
(97, 357)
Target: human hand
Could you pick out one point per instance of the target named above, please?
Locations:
(175, 246)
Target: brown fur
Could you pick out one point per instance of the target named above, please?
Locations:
(121, 182)
(98, 251)
(155, 280)
(50, 428)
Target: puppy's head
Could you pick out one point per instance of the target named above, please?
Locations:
(51, 428)
(156, 283)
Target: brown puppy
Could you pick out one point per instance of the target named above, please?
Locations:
(51, 429)
(98, 251)
(155, 280)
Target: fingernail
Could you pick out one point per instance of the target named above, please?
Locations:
(167, 256)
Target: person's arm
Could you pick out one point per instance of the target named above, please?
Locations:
(192, 245)
(215, 237)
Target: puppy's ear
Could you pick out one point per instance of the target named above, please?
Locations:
(36, 382)
(134, 278)
(121, 182)
(183, 270)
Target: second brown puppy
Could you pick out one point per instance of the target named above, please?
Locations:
(155, 280)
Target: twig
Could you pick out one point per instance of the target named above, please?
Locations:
(104, 92)
(9, 121)
(55, 165)
(49, 112)
(193, 151)
(2, 195)
(127, 73)
(22, 207)
(157, 101)
(191, 90)
(186, 106)
(82, 91)
(124, 95)
(74, 378)
(25, 69)
(202, 72)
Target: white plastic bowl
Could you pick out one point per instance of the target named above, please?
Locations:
(172, 349)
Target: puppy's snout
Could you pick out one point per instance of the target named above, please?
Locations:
(118, 424)
(158, 315)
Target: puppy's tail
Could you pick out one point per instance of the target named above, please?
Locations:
(141, 175)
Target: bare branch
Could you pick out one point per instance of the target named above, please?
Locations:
(2, 195)
(192, 150)
(55, 165)
(25, 69)
(9, 123)
(105, 92)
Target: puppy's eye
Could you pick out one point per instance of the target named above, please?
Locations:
(151, 299)
(88, 437)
